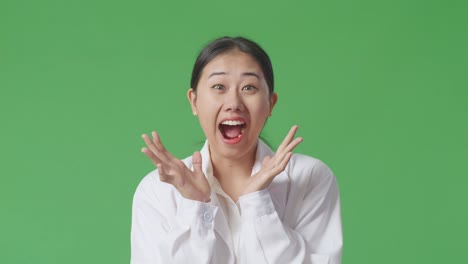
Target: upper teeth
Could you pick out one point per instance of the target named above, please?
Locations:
(232, 122)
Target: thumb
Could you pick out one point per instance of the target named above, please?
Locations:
(197, 163)
(265, 161)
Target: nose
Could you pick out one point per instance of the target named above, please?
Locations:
(233, 101)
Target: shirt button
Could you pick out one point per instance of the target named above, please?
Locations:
(207, 216)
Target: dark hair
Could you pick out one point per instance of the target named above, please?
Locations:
(225, 44)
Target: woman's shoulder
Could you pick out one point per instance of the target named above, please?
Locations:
(308, 170)
(151, 192)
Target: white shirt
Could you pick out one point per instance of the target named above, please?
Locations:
(296, 219)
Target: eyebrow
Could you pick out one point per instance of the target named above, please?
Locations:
(251, 74)
(216, 73)
(243, 74)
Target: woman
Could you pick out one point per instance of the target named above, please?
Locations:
(235, 201)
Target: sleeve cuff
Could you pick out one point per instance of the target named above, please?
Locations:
(256, 204)
(195, 213)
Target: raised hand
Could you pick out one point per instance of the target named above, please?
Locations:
(272, 166)
(191, 184)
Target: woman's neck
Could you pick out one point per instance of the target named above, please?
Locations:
(232, 173)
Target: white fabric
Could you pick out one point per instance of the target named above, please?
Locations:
(230, 210)
(295, 220)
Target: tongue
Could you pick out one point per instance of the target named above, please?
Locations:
(232, 131)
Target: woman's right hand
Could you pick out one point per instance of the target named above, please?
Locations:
(191, 184)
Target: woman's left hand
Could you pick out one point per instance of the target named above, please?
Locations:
(272, 166)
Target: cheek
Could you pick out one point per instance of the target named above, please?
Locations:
(207, 110)
(259, 113)
(206, 103)
(260, 106)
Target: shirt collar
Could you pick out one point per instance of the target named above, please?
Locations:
(278, 188)
(262, 151)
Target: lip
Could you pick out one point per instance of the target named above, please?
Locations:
(233, 119)
(232, 141)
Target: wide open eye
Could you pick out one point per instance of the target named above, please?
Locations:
(218, 87)
(249, 88)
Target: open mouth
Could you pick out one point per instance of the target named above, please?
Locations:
(232, 129)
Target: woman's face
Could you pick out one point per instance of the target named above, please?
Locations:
(232, 103)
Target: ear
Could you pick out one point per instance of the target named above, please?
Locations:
(273, 100)
(192, 96)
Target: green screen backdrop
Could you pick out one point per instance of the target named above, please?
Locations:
(379, 89)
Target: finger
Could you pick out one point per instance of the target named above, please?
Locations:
(289, 137)
(284, 162)
(265, 161)
(289, 148)
(279, 166)
(151, 146)
(280, 155)
(293, 144)
(162, 174)
(151, 156)
(157, 142)
(197, 163)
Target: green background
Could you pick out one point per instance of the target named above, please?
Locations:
(379, 89)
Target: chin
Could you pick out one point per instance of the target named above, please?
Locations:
(233, 151)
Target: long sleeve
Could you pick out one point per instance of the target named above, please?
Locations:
(171, 229)
(315, 235)
(295, 220)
